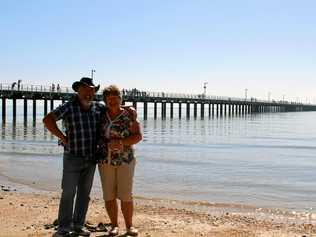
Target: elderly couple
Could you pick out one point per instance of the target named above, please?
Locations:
(95, 134)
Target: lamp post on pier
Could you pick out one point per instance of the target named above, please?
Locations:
(92, 71)
(204, 86)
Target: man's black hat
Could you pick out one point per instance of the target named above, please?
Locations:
(85, 81)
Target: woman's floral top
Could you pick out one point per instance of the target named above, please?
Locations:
(116, 128)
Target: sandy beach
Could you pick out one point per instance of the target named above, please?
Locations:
(33, 214)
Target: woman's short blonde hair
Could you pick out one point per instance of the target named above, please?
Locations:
(111, 90)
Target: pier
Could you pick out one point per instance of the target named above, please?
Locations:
(206, 105)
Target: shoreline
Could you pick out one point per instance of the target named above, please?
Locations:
(198, 206)
(26, 212)
(41, 184)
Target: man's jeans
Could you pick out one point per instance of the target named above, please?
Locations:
(77, 181)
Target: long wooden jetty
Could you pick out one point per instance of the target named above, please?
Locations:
(216, 105)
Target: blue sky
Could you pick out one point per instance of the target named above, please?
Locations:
(175, 46)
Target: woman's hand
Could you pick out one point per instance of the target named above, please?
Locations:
(116, 144)
(63, 140)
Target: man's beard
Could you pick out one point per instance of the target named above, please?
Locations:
(86, 103)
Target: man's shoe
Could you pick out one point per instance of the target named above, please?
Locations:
(83, 231)
(61, 234)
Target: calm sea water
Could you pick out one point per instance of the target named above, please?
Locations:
(266, 160)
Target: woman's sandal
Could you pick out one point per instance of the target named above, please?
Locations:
(132, 231)
(114, 231)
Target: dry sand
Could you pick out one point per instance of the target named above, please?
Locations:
(32, 214)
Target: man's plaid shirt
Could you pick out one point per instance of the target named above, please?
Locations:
(81, 127)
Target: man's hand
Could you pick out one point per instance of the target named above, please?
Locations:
(50, 123)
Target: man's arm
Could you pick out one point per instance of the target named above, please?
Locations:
(136, 135)
(50, 123)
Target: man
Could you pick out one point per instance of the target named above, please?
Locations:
(81, 118)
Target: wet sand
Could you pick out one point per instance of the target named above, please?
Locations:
(25, 213)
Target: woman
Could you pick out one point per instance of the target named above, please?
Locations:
(120, 130)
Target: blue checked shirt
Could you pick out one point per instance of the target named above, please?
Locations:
(81, 127)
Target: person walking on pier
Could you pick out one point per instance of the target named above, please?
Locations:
(81, 118)
(120, 130)
(13, 85)
(53, 87)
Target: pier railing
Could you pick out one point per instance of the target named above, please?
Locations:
(35, 88)
(140, 94)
